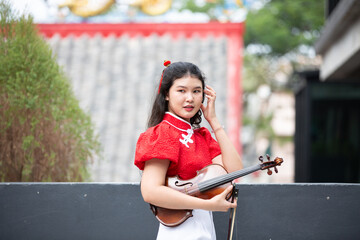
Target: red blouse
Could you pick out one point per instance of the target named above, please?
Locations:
(174, 139)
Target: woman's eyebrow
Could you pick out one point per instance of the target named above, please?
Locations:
(181, 86)
(197, 88)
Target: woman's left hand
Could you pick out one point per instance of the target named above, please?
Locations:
(209, 109)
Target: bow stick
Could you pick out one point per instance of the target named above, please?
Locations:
(232, 213)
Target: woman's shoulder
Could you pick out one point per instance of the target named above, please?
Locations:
(156, 142)
(160, 130)
(203, 131)
(206, 134)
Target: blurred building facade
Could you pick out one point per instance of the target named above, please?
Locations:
(327, 136)
(281, 106)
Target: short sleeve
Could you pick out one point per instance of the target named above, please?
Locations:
(156, 142)
(214, 147)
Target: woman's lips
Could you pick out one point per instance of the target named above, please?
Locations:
(189, 108)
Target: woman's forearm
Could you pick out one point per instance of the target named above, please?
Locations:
(166, 197)
(230, 157)
(169, 198)
(155, 192)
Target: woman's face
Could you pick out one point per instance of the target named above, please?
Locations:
(185, 97)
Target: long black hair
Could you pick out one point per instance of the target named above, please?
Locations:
(170, 74)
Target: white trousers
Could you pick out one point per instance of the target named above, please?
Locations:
(198, 227)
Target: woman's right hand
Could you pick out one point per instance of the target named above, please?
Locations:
(219, 202)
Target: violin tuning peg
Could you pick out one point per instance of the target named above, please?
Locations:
(269, 172)
(268, 157)
(276, 170)
(261, 158)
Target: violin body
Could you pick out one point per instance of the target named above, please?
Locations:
(174, 217)
(191, 186)
(209, 182)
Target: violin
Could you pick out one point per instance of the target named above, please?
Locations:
(209, 182)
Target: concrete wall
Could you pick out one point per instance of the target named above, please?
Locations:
(117, 211)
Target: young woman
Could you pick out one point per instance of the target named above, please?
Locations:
(175, 145)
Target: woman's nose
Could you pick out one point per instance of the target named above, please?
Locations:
(189, 96)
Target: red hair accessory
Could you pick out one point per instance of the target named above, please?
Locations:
(166, 64)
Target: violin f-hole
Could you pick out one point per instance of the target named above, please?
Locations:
(183, 184)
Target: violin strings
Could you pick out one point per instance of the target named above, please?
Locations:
(211, 183)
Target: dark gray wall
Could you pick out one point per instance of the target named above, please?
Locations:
(117, 211)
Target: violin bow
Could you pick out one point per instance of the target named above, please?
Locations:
(232, 213)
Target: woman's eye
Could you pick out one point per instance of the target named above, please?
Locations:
(181, 90)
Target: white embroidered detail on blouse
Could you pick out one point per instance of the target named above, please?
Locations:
(187, 138)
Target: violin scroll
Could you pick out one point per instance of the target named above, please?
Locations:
(270, 164)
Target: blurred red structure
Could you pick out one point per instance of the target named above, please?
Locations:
(232, 31)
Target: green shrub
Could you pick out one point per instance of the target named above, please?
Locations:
(44, 135)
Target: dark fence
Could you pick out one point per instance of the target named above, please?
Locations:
(116, 211)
